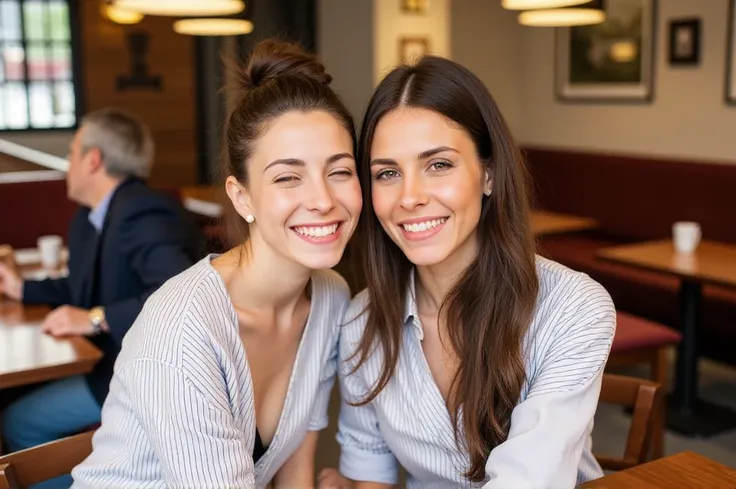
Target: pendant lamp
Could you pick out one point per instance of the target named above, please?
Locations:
(182, 8)
(213, 27)
(538, 4)
(588, 13)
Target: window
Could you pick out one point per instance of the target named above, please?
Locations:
(36, 74)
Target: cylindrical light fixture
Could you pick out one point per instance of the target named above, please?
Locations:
(591, 12)
(183, 8)
(213, 27)
(538, 4)
(121, 16)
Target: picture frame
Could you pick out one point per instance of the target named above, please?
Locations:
(412, 48)
(684, 42)
(414, 6)
(730, 92)
(611, 62)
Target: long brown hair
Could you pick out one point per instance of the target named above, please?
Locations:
(489, 309)
(279, 77)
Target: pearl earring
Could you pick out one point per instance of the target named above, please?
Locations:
(250, 218)
(488, 192)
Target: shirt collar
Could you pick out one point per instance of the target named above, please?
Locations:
(97, 215)
(411, 312)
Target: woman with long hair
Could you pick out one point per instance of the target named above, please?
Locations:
(469, 360)
(224, 379)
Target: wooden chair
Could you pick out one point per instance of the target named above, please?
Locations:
(640, 341)
(646, 399)
(21, 469)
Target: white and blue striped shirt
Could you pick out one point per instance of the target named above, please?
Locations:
(180, 412)
(549, 442)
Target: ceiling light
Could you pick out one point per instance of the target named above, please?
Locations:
(591, 12)
(121, 16)
(213, 27)
(183, 8)
(536, 4)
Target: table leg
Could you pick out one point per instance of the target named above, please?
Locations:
(687, 414)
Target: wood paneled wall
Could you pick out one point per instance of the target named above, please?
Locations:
(171, 111)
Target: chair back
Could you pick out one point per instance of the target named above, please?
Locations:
(18, 470)
(645, 397)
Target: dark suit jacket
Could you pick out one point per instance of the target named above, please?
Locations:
(146, 239)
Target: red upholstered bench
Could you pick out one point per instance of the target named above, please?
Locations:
(639, 341)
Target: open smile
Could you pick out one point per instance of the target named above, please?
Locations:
(422, 228)
(319, 233)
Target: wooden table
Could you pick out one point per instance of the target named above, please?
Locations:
(28, 356)
(686, 470)
(547, 223)
(711, 263)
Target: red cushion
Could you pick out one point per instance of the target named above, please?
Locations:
(633, 333)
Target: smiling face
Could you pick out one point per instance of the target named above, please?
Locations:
(303, 191)
(428, 185)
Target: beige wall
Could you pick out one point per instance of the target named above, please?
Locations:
(392, 24)
(687, 119)
(487, 39)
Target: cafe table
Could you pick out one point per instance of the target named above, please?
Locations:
(712, 263)
(28, 356)
(545, 223)
(685, 470)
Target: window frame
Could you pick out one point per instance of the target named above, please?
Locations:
(75, 47)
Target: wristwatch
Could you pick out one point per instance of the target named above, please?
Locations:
(97, 317)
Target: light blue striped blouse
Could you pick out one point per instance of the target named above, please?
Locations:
(180, 412)
(549, 442)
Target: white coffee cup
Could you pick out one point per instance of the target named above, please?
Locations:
(686, 236)
(49, 248)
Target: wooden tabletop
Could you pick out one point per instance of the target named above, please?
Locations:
(28, 356)
(685, 470)
(546, 223)
(711, 262)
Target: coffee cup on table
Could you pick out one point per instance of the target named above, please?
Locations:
(686, 236)
(49, 247)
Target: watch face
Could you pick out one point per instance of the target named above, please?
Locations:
(96, 316)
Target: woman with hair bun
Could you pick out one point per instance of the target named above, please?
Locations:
(224, 379)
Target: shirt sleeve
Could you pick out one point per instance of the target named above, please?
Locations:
(550, 427)
(364, 455)
(196, 442)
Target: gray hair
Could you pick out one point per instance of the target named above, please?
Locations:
(124, 141)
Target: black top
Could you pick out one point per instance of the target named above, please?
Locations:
(258, 448)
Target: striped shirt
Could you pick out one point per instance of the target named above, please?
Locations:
(549, 442)
(180, 412)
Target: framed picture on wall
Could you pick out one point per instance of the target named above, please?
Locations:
(685, 42)
(412, 48)
(608, 62)
(731, 55)
(414, 6)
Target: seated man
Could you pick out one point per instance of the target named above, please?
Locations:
(124, 242)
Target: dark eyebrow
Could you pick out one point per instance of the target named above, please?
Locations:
(431, 152)
(298, 162)
(338, 157)
(422, 156)
(285, 161)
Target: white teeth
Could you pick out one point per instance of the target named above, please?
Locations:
(316, 232)
(423, 226)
